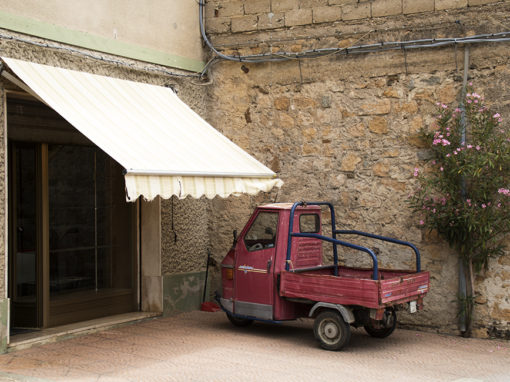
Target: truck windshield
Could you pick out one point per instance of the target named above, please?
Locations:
(262, 233)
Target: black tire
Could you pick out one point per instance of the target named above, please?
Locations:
(382, 329)
(331, 330)
(241, 322)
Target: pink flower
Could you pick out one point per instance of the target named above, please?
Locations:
(469, 146)
(448, 155)
(499, 205)
(433, 162)
(457, 110)
(416, 170)
(441, 169)
(469, 101)
(484, 205)
(496, 116)
(477, 148)
(434, 211)
(422, 222)
(504, 191)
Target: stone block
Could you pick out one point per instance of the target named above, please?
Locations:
(257, 6)
(378, 125)
(448, 93)
(416, 124)
(357, 130)
(310, 134)
(271, 20)
(406, 107)
(212, 9)
(381, 169)
(218, 25)
(341, 2)
(472, 3)
(298, 17)
(244, 23)
(414, 6)
(284, 5)
(349, 162)
(391, 93)
(379, 107)
(282, 103)
(312, 3)
(304, 102)
(230, 8)
(356, 11)
(441, 5)
(286, 121)
(327, 14)
(382, 8)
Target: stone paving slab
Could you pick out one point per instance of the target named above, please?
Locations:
(200, 346)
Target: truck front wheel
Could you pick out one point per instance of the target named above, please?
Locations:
(236, 321)
(382, 329)
(331, 330)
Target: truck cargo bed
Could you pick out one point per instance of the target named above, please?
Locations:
(354, 286)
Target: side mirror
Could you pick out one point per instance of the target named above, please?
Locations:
(234, 233)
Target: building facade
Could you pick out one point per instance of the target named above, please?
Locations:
(338, 121)
(72, 247)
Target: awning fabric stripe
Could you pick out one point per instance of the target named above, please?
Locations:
(166, 148)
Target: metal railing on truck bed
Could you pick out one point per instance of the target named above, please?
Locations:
(336, 242)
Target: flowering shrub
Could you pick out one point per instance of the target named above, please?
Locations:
(463, 190)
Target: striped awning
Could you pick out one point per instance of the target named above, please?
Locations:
(165, 147)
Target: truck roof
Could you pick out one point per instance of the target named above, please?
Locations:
(284, 206)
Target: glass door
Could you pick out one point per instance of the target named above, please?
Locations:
(91, 246)
(23, 237)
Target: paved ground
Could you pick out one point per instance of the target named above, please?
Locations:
(201, 346)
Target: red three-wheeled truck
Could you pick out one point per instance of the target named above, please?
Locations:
(275, 272)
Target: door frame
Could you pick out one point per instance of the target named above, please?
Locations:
(42, 222)
(255, 272)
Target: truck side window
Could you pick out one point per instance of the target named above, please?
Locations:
(309, 223)
(262, 233)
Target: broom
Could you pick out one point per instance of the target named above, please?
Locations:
(208, 306)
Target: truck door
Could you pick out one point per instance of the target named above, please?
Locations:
(254, 266)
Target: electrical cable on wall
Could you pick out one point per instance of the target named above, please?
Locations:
(354, 49)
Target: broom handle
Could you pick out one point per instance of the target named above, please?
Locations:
(206, 273)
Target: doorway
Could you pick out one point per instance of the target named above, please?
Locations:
(72, 235)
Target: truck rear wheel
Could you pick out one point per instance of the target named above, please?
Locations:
(383, 328)
(331, 330)
(236, 321)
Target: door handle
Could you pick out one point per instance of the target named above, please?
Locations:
(269, 262)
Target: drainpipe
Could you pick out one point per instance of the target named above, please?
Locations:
(462, 273)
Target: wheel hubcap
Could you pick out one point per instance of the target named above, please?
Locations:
(330, 331)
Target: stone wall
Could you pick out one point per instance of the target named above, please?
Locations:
(234, 16)
(345, 128)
